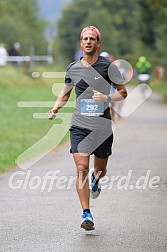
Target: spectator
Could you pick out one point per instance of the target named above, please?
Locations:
(159, 72)
(143, 69)
(3, 55)
(105, 55)
(15, 51)
(143, 66)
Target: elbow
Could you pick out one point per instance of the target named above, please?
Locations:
(125, 94)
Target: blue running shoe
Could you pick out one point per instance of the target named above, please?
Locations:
(95, 187)
(87, 222)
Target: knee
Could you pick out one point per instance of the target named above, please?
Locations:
(82, 169)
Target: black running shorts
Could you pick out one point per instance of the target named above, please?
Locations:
(97, 142)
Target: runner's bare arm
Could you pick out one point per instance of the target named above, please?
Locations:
(121, 93)
(60, 102)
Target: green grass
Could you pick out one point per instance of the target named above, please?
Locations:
(19, 130)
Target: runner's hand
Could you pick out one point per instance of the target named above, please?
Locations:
(99, 97)
(52, 114)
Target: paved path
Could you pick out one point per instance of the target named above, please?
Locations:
(126, 220)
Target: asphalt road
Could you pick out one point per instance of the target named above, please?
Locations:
(128, 216)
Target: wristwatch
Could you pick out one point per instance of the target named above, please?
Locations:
(109, 98)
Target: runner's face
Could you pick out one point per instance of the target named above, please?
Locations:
(89, 43)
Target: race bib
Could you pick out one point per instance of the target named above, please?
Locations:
(89, 107)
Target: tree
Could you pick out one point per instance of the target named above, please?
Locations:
(116, 20)
(69, 27)
(153, 29)
(129, 29)
(19, 22)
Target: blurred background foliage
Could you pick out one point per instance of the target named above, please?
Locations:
(19, 22)
(129, 28)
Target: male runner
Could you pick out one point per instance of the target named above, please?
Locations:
(91, 129)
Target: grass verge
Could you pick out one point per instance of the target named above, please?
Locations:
(19, 130)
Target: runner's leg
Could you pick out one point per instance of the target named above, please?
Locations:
(100, 165)
(82, 183)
